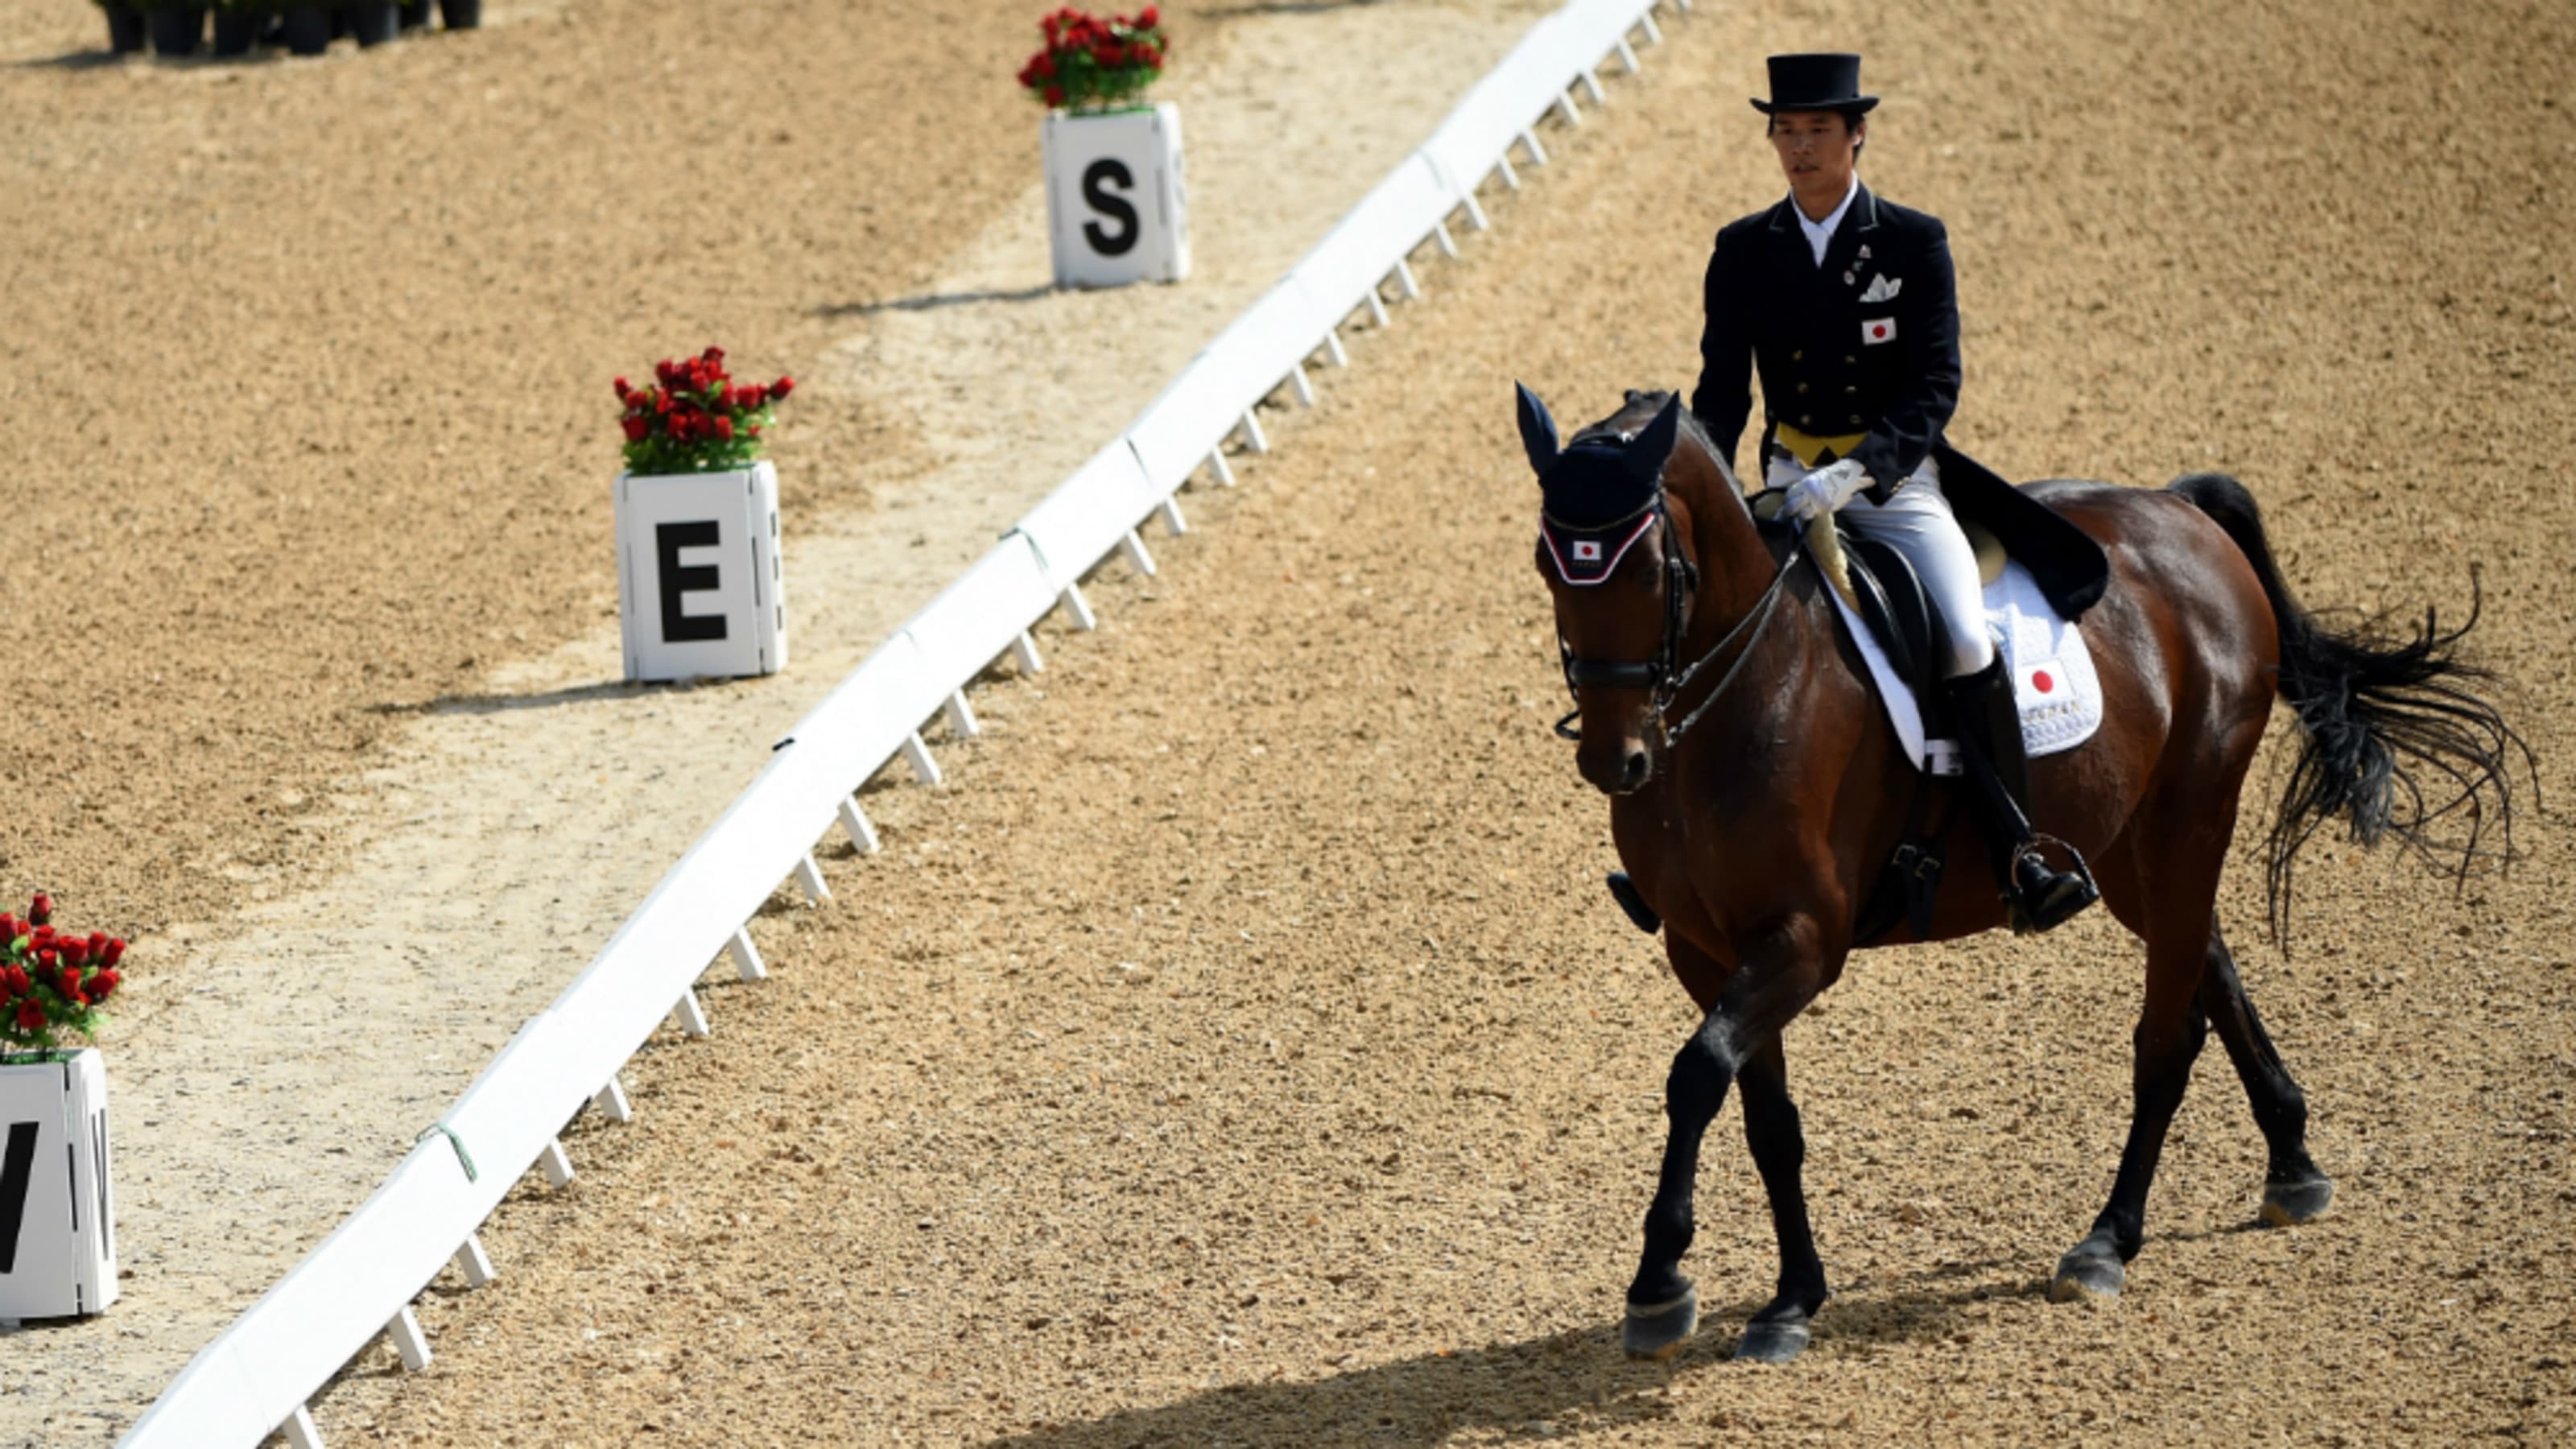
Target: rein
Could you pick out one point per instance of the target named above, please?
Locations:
(1681, 582)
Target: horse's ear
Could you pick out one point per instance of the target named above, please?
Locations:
(1646, 454)
(1538, 430)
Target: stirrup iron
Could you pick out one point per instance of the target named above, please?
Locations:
(2042, 898)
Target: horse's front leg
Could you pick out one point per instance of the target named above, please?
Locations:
(1772, 984)
(1778, 1333)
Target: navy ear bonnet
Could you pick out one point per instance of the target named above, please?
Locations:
(1598, 497)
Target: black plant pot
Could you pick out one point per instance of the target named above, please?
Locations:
(124, 28)
(414, 14)
(308, 29)
(236, 31)
(177, 29)
(460, 14)
(371, 21)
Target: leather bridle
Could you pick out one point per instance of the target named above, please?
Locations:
(1661, 674)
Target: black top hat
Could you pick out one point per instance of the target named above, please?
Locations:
(1823, 82)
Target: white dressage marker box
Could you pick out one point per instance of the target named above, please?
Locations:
(57, 1216)
(698, 578)
(1117, 211)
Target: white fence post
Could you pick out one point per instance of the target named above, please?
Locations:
(809, 878)
(854, 820)
(612, 1104)
(474, 1263)
(409, 1341)
(916, 754)
(1137, 558)
(746, 956)
(693, 1017)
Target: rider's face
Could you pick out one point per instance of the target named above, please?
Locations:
(1817, 149)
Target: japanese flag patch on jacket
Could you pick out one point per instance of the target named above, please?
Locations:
(1877, 330)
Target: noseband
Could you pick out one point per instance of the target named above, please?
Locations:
(1659, 674)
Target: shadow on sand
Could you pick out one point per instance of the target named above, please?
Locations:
(1575, 1381)
(930, 302)
(1283, 7)
(73, 60)
(543, 699)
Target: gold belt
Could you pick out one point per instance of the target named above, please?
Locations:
(1810, 449)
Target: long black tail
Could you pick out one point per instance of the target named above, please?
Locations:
(2374, 710)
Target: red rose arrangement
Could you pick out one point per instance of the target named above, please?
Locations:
(1091, 64)
(694, 419)
(52, 981)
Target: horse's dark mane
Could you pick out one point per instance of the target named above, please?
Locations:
(1638, 410)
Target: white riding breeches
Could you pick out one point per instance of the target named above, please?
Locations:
(1917, 523)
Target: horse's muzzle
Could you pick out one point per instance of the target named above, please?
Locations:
(1621, 772)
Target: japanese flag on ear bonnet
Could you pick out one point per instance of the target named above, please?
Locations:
(1597, 497)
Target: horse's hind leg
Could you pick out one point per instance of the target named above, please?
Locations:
(2163, 884)
(2293, 1189)
(2169, 1037)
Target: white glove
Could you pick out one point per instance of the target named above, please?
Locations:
(1823, 491)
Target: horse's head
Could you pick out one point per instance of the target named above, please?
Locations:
(1617, 561)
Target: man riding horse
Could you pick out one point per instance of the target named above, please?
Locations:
(1845, 303)
(1759, 790)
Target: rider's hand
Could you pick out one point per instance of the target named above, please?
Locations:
(1823, 491)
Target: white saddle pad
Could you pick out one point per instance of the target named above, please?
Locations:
(2052, 672)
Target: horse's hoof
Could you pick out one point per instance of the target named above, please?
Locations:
(1655, 1331)
(2285, 1203)
(2088, 1273)
(1772, 1342)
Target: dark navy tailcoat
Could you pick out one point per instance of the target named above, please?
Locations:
(1868, 343)
(1832, 363)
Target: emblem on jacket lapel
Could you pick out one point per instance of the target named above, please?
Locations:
(1864, 251)
(1877, 330)
(1849, 278)
(1881, 289)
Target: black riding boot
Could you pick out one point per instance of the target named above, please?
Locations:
(1988, 725)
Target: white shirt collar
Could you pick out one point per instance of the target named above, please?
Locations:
(1820, 234)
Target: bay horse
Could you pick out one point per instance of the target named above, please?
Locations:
(1757, 791)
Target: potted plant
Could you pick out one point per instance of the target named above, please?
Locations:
(697, 524)
(176, 26)
(124, 26)
(308, 28)
(60, 1257)
(373, 22)
(1115, 207)
(238, 24)
(1091, 66)
(694, 419)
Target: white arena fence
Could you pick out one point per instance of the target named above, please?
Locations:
(255, 1378)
